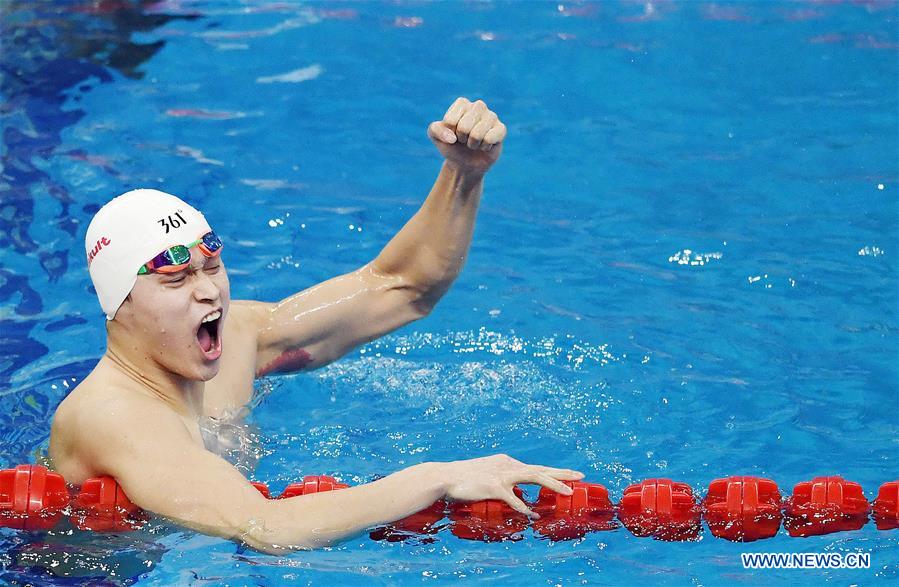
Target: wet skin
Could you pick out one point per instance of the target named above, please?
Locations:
(135, 417)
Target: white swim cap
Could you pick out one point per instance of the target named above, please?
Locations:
(129, 231)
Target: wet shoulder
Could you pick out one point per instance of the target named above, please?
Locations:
(244, 318)
(98, 403)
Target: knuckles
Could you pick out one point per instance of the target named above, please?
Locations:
(473, 122)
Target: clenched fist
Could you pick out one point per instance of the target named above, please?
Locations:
(470, 136)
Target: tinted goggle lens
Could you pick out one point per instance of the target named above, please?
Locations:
(177, 255)
(211, 243)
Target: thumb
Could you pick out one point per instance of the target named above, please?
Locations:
(438, 131)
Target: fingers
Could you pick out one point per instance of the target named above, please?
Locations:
(561, 474)
(455, 111)
(495, 135)
(469, 119)
(480, 129)
(519, 506)
(473, 124)
(548, 482)
(439, 131)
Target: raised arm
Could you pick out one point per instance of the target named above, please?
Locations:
(151, 454)
(409, 276)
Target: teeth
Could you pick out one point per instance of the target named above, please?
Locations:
(214, 316)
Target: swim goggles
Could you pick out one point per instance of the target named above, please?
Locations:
(177, 258)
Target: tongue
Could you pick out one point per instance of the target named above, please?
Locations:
(205, 339)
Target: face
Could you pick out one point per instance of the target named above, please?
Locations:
(177, 319)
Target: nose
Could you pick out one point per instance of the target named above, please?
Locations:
(205, 289)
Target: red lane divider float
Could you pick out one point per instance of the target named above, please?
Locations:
(418, 524)
(490, 520)
(311, 484)
(31, 498)
(824, 505)
(102, 506)
(743, 509)
(660, 508)
(566, 517)
(886, 506)
(735, 508)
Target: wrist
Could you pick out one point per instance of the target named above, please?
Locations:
(462, 176)
(434, 477)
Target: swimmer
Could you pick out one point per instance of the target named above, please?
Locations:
(179, 350)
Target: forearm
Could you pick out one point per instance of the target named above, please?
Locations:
(321, 519)
(430, 250)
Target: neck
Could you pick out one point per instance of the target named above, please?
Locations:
(185, 396)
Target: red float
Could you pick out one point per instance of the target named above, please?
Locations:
(312, 484)
(102, 506)
(567, 517)
(824, 505)
(736, 508)
(31, 498)
(419, 523)
(489, 520)
(743, 509)
(660, 508)
(262, 488)
(886, 506)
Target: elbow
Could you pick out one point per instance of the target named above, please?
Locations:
(426, 292)
(422, 307)
(275, 534)
(421, 296)
(267, 548)
(267, 541)
(265, 530)
(424, 299)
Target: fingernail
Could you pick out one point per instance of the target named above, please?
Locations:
(568, 491)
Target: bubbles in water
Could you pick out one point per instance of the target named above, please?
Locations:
(870, 251)
(689, 257)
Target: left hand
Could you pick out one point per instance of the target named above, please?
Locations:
(470, 136)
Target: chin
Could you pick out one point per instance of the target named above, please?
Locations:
(196, 371)
(210, 371)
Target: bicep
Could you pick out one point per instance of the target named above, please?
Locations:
(320, 324)
(160, 468)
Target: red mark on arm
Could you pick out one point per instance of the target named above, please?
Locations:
(290, 360)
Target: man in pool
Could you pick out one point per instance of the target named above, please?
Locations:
(179, 350)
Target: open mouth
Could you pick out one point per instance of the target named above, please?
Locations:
(208, 335)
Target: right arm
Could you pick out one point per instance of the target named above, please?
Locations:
(162, 470)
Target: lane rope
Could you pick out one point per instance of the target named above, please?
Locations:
(739, 509)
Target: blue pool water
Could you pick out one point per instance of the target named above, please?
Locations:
(685, 263)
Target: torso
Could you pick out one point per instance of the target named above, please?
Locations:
(218, 428)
